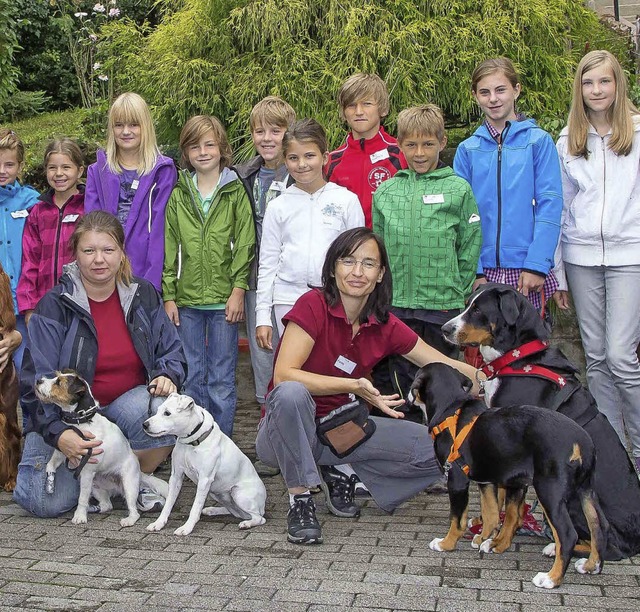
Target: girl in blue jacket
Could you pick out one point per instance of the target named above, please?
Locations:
(15, 202)
(513, 168)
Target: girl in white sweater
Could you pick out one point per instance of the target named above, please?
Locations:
(299, 226)
(600, 241)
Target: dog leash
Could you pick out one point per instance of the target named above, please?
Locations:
(150, 388)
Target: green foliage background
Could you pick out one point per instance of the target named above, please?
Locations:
(222, 56)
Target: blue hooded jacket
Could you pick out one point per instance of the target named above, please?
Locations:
(518, 188)
(15, 202)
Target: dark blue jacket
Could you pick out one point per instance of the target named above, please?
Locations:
(62, 335)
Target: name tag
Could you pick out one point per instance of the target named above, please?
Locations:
(379, 155)
(134, 184)
(19, 214)
(344, 364)
(434, 198)
(70, 218)
(278, 186)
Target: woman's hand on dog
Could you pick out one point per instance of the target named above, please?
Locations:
(73, 447)
(384, 403)
(8, 344)
(163, 386)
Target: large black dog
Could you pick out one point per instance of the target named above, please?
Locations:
(513, 447)
(522, 368)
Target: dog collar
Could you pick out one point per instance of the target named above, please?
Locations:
(83, 416)
(199, 440)
(495, 367)
(450, 424)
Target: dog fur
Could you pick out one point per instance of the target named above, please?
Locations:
(212, 461)
(513, 447)
(10, 434)
(498, 319)
(117, 469)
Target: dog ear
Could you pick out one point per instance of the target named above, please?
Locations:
(467, 383)
(509, 306)
(78, 387)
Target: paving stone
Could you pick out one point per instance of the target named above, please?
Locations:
(426, 604)
(58, 603)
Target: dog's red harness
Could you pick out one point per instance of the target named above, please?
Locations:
(502, 365)
(450, 424)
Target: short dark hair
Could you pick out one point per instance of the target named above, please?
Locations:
(345, 244)
(306, 130)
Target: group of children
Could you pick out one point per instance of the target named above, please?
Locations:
(224, 243)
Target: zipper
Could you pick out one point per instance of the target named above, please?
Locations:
(57, 243)
(604, 193)
(150, 197)
(499, 192)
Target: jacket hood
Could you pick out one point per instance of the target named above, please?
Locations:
(371, 145)
(441, 171)
(185, 179)
(161, 160)
(47, 196)
(514, 127)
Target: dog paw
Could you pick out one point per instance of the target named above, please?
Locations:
(487, 546)
(435, 544)
(50, 485)
(581, 569)
(477, 541)
(542, 580)
(156, 525)
(254, 522)
(130, 520)
(186, 529)
(549, 550)
(79, 519)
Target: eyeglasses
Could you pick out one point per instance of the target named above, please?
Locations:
(350, 262)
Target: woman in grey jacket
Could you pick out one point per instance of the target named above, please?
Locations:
(112, 329)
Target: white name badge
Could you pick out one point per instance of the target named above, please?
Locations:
(278, 185)
(70, 218)
(19, 214)
(134, 184)
(434, 198)
(344, 364)
(379, 156)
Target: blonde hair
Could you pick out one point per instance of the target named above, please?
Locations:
(424, 120)
(271, 110)
(491, 66)
(363, 86)
(197, 127)
(131, 108)
(620, 113)
(9, 140)
(104, 223)
(64, 146)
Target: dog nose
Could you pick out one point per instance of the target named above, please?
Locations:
(145, 425)
(39, 381)
(447, 328)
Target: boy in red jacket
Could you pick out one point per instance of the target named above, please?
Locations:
(369, 155)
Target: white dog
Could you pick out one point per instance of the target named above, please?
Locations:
(211, 460)
(117, 469)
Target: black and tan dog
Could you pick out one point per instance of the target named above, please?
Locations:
(522, 368)
(9, 393)
(514, 447)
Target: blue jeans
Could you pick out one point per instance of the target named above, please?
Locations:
(211, 348)
(127, 411)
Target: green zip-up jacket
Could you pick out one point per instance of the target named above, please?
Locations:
(431, 228)
(214, 252)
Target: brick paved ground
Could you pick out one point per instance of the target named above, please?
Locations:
(377, 562)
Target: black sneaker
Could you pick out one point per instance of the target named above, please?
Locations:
(302, 524)
(339, 490)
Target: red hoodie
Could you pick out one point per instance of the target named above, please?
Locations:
(361, 165)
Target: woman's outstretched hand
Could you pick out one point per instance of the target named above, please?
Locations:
(384, 403)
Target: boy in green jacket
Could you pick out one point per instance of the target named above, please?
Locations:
(209, 246)
(430, 224)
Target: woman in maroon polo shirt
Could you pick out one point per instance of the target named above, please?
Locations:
(333, 337)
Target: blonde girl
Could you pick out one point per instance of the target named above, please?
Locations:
(50, 224)
(600, 241)
(133, 181)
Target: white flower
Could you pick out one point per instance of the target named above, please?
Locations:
(97, 65)
(114, 12)
(99, 8)
(103, 77)
(80, 15)
(93, 37)
(112, 1)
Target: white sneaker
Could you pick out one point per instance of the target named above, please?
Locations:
(149, 501)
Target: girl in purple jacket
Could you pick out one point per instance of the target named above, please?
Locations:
(133, 181)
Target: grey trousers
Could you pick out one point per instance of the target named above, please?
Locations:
(396, 463)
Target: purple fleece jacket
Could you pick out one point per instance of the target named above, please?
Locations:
(144, 229)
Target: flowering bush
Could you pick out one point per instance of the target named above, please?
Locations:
(83, 22)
